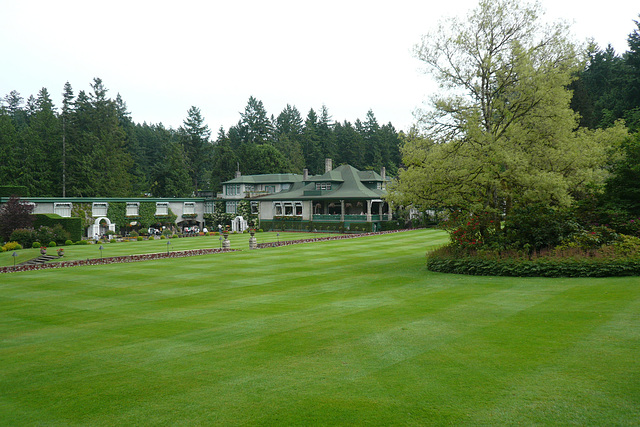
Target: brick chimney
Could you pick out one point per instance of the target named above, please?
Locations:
(328, 165)
(383, 173)
(305, 174)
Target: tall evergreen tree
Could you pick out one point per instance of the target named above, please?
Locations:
(41, 148)
(311, 144)
(288, 137)
(225, 161)
(99, 163)
(195, 136)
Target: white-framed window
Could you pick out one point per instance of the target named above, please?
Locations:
(133, 208)
(232, 207)
(99, 209)
(209, 207)
(189, 208)
(232, 189)
(323, 186)
(287, 208)
(62, 209)
(254, 208)
(248, 187)
(162, 208)
(270, 189)
(286, 186)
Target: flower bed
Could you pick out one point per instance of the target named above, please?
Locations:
(323, 239)
(114, 260)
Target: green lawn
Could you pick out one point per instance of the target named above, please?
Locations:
(75, 252)
(351, 332)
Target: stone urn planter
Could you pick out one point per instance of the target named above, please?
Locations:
(43, 250)
(226, 244)
(253, 242)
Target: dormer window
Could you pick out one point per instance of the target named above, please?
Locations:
(323, 186)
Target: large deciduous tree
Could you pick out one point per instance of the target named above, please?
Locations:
(501, 134)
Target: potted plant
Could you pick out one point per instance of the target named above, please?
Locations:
(60, 252)
(43, 250)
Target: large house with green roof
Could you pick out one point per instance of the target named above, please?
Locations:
(341, 198)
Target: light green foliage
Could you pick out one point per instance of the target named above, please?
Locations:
(11, 246)
(503, 133)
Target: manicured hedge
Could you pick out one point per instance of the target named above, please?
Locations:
(72, 225)
(443, 262)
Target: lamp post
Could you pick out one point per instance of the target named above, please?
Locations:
(168, 244)
(278, 237)
(101, 248)
(14, 255)
(220, 242)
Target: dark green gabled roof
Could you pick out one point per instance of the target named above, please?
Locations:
(346, 184)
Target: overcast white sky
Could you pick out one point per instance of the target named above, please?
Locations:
(165, 56)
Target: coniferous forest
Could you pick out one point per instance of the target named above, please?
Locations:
(87, 144)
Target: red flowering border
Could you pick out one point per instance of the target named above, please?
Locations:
(114, 260)
(324, 239)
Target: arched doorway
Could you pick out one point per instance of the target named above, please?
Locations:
(100, 227)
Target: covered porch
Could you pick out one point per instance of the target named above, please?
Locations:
(369, 210)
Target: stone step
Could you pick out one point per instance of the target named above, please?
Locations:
(40, 260)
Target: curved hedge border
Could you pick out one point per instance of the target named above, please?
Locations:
(541, 267)
(114, 260)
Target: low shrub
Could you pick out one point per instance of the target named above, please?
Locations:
(139, 238)
(113, 241)
(11, 246)
(24, 236)
(82, 242)
(68, 242)
(52, 244)
(133, 234)
(618, 259)
(36, 245)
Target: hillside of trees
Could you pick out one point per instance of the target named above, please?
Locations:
(91, 147)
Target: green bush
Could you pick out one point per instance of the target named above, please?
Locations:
(73, 225)
(113, 241)
(604, 263)
(68, 242)
(24, 236)
(52, 244)
(36, 245)
(133, 234)
(12, 246)
(139, 238)
(82, 242)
